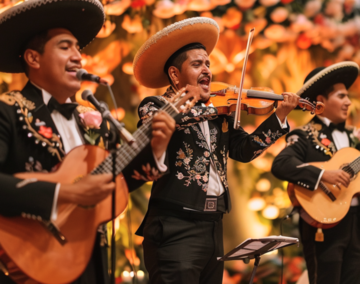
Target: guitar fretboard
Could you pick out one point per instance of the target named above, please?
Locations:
(126, 153)
(354, 167)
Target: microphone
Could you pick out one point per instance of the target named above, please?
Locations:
(87, 95)
(83, 75)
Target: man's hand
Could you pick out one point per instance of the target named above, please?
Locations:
(163, 126)
(88, 191)
(291, 100)
(336, 177)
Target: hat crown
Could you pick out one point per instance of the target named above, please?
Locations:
(313, 73)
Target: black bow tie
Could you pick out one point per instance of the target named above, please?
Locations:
(65, 109)
(340, 126)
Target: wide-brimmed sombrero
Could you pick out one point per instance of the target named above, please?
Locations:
(150, 60)
(83, 18)
(321, 78)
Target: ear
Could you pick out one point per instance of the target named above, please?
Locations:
(32, 58)
(174, 75)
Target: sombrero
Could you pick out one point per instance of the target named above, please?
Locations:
(83, 18)
(150, 59)
(322, 78)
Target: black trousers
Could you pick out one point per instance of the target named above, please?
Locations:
(183, 250)
(337, 259)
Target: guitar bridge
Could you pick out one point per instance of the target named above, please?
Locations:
(55, 232)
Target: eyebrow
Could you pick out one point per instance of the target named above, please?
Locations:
(200, 61)
(69, 41)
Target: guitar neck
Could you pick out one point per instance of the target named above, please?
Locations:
(354, 167)
(126, 153)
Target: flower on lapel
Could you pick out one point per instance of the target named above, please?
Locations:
(355, 135)
(45, 131)
(91, 119)
(325, 142)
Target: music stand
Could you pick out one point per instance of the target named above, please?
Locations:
(254, 248)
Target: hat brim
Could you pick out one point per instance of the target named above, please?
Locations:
(344, 72)
(20, 23)
(150, 60)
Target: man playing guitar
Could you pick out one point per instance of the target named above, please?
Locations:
(43, 39)
(336, 258)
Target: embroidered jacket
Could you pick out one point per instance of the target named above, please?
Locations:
(189, 156)
(311, 143)
(29, 142)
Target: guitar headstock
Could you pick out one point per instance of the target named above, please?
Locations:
(185, 98)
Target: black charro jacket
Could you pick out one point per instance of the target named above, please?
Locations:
(311, 143)
(189, 155)
(30, 142)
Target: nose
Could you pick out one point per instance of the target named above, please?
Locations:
(347, 101)
(76, 56)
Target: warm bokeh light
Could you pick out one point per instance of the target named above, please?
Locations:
(270, 212)
(263, 185)
(256, 203)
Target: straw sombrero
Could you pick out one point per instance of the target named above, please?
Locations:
(321, 78)
(83, 18)
(150, 59)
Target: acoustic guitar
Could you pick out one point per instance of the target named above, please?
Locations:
(32, 251)
(326, 206)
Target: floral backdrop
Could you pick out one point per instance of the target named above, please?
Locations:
(291, 38)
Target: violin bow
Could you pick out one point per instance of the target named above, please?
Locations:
(238, 105)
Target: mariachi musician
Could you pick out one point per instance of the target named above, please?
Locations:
(39, 125)
(336, 259)
(183, 226)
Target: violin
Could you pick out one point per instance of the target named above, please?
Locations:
(258, 101)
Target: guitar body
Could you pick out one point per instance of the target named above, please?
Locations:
(317, 209)
(36, 256)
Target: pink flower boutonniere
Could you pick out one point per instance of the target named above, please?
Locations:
(325, 142)
(91, 119)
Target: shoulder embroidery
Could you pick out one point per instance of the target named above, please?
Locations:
(325, 145)
(23, 109)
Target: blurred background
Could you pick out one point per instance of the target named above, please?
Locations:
(292, 37)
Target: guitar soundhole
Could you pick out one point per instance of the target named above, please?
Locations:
(349, 170)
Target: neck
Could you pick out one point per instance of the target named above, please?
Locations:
(60, 95)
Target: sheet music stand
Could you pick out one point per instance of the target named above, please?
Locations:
(254, 248)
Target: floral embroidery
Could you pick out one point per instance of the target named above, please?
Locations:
(34, 166)
(292, 139)
(45, 131)
(197, 172)
(312, 130)
(325, 141)
(187, 131)
(24, 106)
(151, 173)
(148, 110)
(270, 138)
(225, 126)
(257, 153)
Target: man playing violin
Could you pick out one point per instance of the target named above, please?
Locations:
(336, 258)
(183, 226)
(38, 125)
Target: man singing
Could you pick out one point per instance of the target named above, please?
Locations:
(183, 226)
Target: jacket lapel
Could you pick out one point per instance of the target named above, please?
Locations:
(40, 117)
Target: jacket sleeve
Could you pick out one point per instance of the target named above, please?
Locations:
(150, 105)
(290, 164)
(245, 147)
(16, 197)
(141, 169)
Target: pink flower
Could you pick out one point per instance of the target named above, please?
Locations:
(198, 176)
(91, 119)
(268, 140)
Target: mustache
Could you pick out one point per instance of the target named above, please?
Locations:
(204, 76)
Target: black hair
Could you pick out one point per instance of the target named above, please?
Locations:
(36, 43)
(179, 57)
